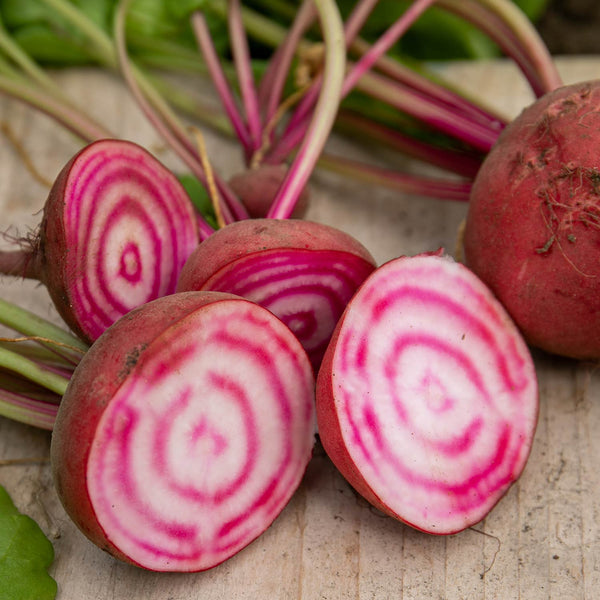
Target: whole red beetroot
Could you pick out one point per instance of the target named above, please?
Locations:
(533, 225)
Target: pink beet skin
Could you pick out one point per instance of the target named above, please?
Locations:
(303, 272)
(427, 396)
(184, 431)
(533, 226)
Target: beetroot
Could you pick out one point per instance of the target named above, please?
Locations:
(303, 272)
(184, 431)
(258, 187)
(116, 231)
(427, 396)
(533, 225)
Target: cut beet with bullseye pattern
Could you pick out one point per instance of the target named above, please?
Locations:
(117, 229)
(303, 272)
(185, 431)
(427, 397)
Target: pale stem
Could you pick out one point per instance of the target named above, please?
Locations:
(29, 66)
(36, 413)
(32, 371)
(100, 40)
(66, 115)
(30, 324)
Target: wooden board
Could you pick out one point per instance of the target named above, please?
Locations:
(541, 541)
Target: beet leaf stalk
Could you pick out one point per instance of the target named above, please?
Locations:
(22, 78)
(509, 24)
(442, 189)
(247, 121)
(104, 50)
(34, 369)
(60, 342)
(30, 411)
(162, 117)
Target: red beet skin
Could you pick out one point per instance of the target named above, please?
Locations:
(184, 431)
(303, 272)
(257, 188)
(533, 225)
(427, 396)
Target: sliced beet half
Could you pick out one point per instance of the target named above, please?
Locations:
(427, 397)
(184, 431)
(116, 231)
(304, 272)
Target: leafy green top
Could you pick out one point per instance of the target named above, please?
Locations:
(25, 555)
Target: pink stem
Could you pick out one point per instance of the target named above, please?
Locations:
(217, 75)
(419, 105)
(241, 58)
(504, 23)
(299, 118)
(385, 42)
(412, 184)
(36, 413)
(407, 76)
(356, 19)
(273, 81)
(429, 111)
(20, 263)
(298, 122)
(354, 23)
(170, 130)
(461, 162)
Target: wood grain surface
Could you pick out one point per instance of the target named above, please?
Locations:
(541, 541)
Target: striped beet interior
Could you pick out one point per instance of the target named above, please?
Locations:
(205, 442)
(129, 227)
(434, 394)
(307, 289)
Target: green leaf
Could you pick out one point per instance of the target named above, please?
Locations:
(534, 9)
(48, 47)
(152, 18)
(16, 13)
(199, 197)
(184, 8)
(25, 555)
(439, 35)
